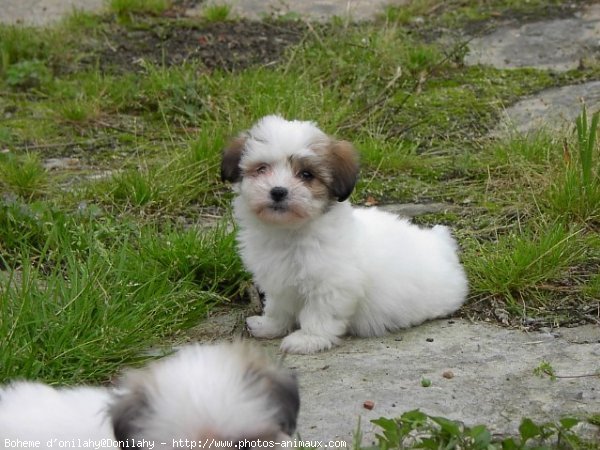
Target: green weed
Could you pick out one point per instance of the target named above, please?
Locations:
(6, 136)
(520, 264)
(577, 192)
(18, 44)
(417, 430)
(535, 150)
(545, 369)
(592, 289)
(27, 74)
(404, 14)
(174, 93)
(124, 8)
(187, 178)
(586, 140)
(425, 382)
(216, 12)
(23, 175)
(190, 254)
(77, 111)
(134, 188)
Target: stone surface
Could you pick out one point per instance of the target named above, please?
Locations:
(63, 163)
(550, 109)
(418, 209)
(494, 381)
(313, 9)
(43, 12)
(558, 45)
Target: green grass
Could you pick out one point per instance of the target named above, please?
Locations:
(19, 44)
(23, 175)
(577, 192)
(83, 293)
(216, 12)
(527, 265)
(127, 7)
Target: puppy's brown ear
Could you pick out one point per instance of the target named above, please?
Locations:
(230, 162)
(127, 409)
(286, 398)
(343, 160)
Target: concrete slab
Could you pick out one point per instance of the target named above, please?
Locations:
(44, 12)
(307, 9)
(551, 109)
(493, 381)
(557, 45)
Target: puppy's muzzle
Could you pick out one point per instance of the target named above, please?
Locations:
(279, 194)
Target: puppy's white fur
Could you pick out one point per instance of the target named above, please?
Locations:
(222, 392)
(328, 268)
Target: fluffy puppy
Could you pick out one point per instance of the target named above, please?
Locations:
(328, 268)
(201, 393)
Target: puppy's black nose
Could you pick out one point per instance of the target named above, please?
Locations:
(279, 193)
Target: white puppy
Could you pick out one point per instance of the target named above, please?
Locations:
(327, 268)
(225, 393)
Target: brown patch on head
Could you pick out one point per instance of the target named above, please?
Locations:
(341, 160)
(230, 162)
(313, 173)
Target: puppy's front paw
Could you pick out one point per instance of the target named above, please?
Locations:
(303, 342)
(265, 327)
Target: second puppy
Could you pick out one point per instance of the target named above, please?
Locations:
(214, 396)
(327, 268)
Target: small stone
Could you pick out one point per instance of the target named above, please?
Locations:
(398, 339)
(448, 374)
(61, 163)
(429, 339)
(369, 404)
(371, 201)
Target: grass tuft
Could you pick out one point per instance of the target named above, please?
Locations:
(124, 8)
(19, 44)
(23, 175)
(216, 12)
(187, 178)
(523, 264)
(576, 195)
(27, 74)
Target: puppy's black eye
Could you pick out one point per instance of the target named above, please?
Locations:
(306, 175)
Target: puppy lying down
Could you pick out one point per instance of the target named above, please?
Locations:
(328, 268)
(215, 395)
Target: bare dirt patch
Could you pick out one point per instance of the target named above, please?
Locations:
(224, 45)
